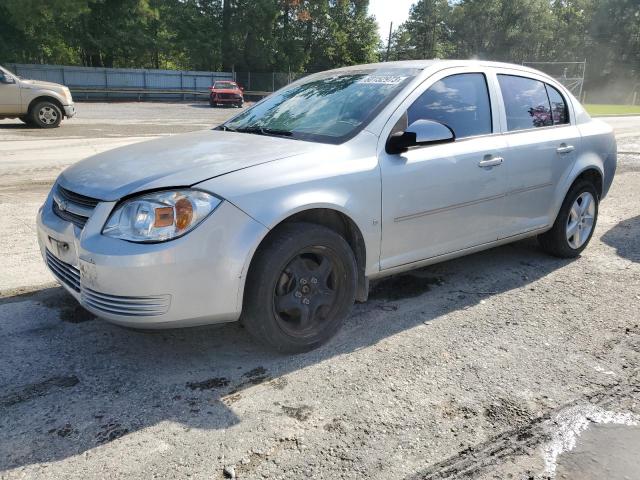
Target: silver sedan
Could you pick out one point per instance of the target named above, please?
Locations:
(280, 216)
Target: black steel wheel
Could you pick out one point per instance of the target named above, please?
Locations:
(306, 292)
(300, 287)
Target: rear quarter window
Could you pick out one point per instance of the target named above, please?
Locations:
(559, 110)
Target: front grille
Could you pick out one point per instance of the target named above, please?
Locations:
(76, 198)
(73, 207)
(78, 220)
(67, 274)
(127, 306)
(227, 96)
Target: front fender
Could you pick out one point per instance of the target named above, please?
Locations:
(35, 93)
(344, 178)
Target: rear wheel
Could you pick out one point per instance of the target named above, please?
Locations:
(575, 223)
(46, 115)
(300, 287)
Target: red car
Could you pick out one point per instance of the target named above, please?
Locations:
(226, 92)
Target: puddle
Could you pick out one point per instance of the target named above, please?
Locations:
(403, 286)
(589, 428)
(603, 452)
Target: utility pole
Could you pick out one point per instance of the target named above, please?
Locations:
(389, 41)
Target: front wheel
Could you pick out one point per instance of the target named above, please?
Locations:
(575, 223)
(300, 287)
(46, 115)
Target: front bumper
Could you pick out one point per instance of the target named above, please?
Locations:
(69, 110)
(215, 100)
(193, 280)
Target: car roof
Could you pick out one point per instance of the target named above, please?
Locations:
(425, 64)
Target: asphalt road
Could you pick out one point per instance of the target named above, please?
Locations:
(491, 366)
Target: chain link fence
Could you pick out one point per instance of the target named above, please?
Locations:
(88, 83)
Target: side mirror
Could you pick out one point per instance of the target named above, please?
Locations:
(6, 78)
(419, 133)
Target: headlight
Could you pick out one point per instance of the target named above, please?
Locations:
(160, 216)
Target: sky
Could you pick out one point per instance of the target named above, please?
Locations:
(386, 11)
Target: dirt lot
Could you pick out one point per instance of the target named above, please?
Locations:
(486, 367)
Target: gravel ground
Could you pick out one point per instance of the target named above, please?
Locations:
(486, 367)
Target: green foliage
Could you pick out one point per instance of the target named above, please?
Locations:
(255, 35)
(312, 35)
(604, 32)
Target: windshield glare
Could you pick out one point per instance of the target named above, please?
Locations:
(329, 108)
(224, 85)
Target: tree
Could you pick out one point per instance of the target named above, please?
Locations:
(429, 29)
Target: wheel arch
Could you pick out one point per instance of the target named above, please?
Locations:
(45, 98)
(330, 217)
(583, 170)
(594, 175)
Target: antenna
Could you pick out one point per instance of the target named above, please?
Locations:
(389, 41)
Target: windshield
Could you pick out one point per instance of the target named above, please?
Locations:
(6, 72)
(329, 108)
(229, 85)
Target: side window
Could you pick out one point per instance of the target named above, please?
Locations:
(460, 101)
(526, 103)
(559, 111)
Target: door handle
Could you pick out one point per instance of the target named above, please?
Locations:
(490, 161)
(564, 148)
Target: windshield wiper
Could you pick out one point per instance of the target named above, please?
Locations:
(265, 131)
(224, 128)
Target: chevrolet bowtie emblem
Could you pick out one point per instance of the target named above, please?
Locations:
(62, 205)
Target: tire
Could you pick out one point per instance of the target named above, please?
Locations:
(300, 288)
(578, 214)
(45, 115)
(25, 119)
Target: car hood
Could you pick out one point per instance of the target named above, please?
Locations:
(175, 161)
(42, 84)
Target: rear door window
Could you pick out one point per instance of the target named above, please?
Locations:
(526, 103)
(459, 101)
(559, 111)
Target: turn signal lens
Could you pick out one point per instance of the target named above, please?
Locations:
(184, 213)
(160, 216)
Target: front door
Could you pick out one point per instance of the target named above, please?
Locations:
(448, 197)
(10, 103)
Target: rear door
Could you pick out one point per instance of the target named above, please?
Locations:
(542, 142)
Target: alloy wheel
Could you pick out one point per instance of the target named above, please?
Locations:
(580, 221)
